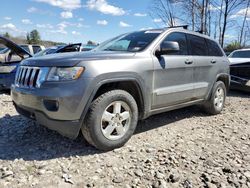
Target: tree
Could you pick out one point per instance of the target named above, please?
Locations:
(233, 46)
(28, 38)
(6, 35)
(33, 37)
(91, 43)
(163, 9)
(244, 23)
(230, 7)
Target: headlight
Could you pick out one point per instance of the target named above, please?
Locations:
(61, 74)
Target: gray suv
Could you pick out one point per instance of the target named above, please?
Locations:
(106, 91)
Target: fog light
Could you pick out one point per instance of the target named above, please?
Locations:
(51, 105)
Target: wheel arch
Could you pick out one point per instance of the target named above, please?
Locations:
(225, 78)
(130, 84)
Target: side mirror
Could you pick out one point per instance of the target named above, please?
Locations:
(168, 47)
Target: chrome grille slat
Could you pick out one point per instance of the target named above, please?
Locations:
(17, 75)
(27, 76)
(20, 76)
(23, 76)
(30, 77)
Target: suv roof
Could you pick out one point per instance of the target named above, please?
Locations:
(179, 29)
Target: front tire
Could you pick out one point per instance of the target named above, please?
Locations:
(217, 101)
(111, 120)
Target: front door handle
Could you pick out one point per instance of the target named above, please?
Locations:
(188, 62)
(213, 61)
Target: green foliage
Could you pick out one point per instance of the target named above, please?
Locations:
(91, 43)
(33, 37)
(6, 35)
(235, 45)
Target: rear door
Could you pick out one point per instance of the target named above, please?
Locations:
(204, 71)
(173, 75)
(202, 65)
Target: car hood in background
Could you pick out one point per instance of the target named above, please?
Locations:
(235, 61)
(14, 47)
(72, 59)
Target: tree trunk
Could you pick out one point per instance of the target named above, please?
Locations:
(193, 14)
(224, 23)
(244, 22)
(220, 17)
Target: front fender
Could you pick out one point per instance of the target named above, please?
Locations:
(116, 78)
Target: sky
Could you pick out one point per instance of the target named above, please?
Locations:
(75, 20)
(71, 21)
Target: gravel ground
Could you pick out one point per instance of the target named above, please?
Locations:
(184, 148)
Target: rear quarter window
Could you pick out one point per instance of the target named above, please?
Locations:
(214, 49)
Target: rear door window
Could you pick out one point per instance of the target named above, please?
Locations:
(213, 49)
(198, 45)
(182, 41)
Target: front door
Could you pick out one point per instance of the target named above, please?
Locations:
(173, 75)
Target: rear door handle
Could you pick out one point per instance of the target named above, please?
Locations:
(188, 62)
(213, 61)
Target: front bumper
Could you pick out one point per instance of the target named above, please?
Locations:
(6, 80)
(58, 106)
(239, 83)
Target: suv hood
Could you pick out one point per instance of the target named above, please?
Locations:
(72, 59)
(14, 47)
(234, 61)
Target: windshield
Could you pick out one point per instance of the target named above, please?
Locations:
(4, 51)
(132, 42)
(240, 54)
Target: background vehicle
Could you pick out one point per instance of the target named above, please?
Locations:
(240, 69)
(88, 47)
(10, 58)
(105, 92)
(77, 47)
(32, 49)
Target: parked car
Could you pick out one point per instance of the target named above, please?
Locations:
(240, 69)
(32, 49)
(10, 58)
(106, 91)
(88, 48)
(77, 47)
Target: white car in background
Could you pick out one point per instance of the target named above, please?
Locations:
(240, 69)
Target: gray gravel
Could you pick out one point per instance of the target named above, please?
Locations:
(184, 148)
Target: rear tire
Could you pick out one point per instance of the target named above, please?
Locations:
(111, 120)
(217, 100)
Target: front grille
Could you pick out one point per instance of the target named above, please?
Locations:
(30, 77)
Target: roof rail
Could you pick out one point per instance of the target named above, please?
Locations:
(177, 26)
(200, 31)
